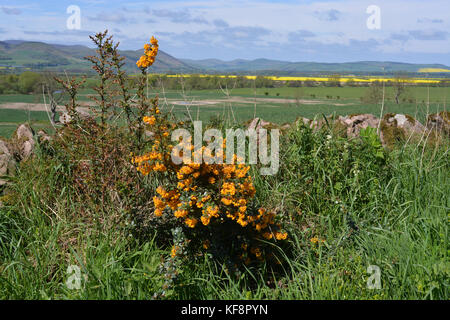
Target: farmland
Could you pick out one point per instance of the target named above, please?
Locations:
(277, 105)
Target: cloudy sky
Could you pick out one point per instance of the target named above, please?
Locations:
(414, 31)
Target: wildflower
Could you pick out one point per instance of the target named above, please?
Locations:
(159, 167)
(242, 209)
(149, 120)
(267, 235)
(199, 205)
(180, 213)
(256, 251)
(212, 180)
(158, 202)
(281, 235)
(158, 212)
(242, 222)
(191, 223)
(205, 220)
(228, 188)
(173, 252)
(226, 201)
(185, 170)
(212, 211)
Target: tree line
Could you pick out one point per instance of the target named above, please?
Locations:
(31, 82)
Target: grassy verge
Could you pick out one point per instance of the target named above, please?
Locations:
(345, 211)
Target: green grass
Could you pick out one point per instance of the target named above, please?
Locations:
(392, 213)
(20, 116)
(7, 130)
(26, 98)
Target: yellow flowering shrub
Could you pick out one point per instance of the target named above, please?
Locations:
(212, 202)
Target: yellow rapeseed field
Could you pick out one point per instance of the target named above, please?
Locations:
(431, 70)
(320, 79)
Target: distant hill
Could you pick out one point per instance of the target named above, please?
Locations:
(265, 65)
(43, 56)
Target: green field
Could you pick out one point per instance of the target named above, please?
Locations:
(437, 94)
(340, 101)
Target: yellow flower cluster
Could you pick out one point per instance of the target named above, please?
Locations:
(211, 192)
(156, 160)
(151, 50)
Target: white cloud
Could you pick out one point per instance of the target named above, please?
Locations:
(257, 28)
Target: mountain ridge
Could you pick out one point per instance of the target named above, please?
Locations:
(36, 55)
(288, 66)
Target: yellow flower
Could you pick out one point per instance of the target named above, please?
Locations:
(159, 167)
(162, 192)
(173, 252)
(149, 120)
(199, 204)
(158, 212)
(281, 235)
(158, 202)
(186, 170)
(242, 222)
(191, 223)
(228, 188)
(205, 220)
(267, 235)
(213, 212)
(256, 251)
(180, 213)
(226, 201)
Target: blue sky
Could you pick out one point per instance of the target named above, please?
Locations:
(323, 31)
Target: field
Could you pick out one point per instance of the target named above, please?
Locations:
(277, 105)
